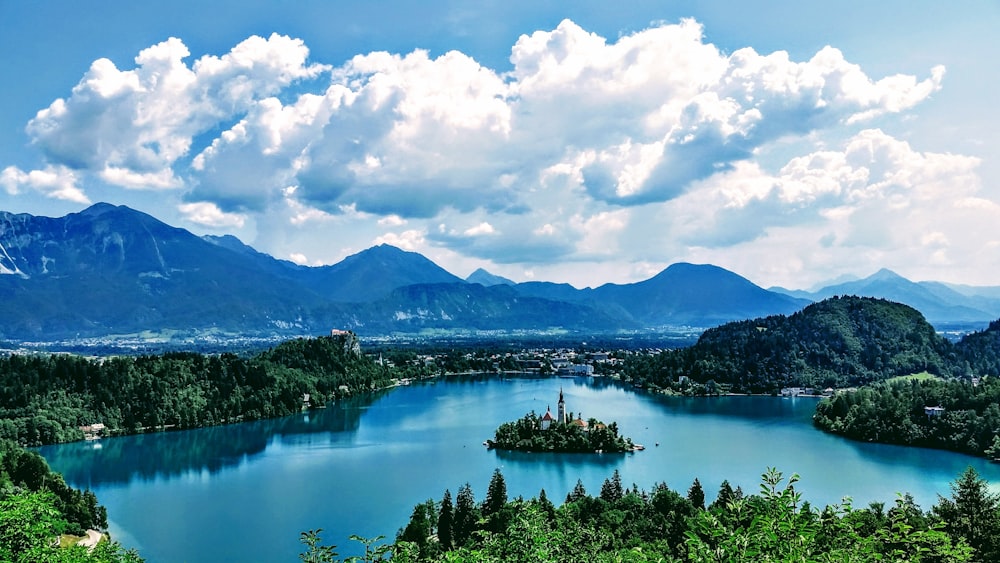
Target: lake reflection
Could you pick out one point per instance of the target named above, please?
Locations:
(244, 492)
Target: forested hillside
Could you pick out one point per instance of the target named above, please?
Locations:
(840, 342)
(45, 399)
(848, 342)
(980, 351)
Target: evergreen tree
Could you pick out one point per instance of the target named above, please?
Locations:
(696, 494)
(973, 513)
(577, 493)
(726, 495)
(446, 519)
(466, 516)
(419, 529)
(611, 490)
(547, 507)
(496, 494)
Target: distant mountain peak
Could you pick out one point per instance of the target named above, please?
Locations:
(376, 271)
(99, 207)
(885, 274)
(382, 250)
(484, 278)
(102, 208)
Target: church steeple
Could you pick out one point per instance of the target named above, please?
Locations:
(561, 408)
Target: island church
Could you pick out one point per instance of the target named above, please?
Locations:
(548, 419)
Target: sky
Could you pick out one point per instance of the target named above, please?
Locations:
(581, 142)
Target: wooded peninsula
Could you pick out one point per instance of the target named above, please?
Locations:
(889, 376)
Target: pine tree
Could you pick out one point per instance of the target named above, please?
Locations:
(466, 516)
(446, 519)
(726, 495)
(496, 495)
(973, 513)
(696, 494)
(611, 490)
(547, 507)
(419, 528)
(577, 493)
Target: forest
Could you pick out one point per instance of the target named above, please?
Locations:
(839, 342)
(866, 349)
(36, 506)
(965, 416)
(46, 399)
(526, 434)
(628, 524)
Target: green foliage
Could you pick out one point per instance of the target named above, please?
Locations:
(611, 489)
(374, 551)
(467, 515)
(972, 513)
(839, 342)
(46, 399)
(776, 524)
(25, 470)
(887, 348)
(893, 412)
(446, 520)
(980, 351)
(526, 434)
(696, 494)
(496, 494)
(422, 525)
(993, 452)
(29, 524)
(315, 551)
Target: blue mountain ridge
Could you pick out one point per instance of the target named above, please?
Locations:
(111, 270)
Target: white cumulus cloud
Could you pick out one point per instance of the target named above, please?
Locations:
(645, 148)
(208, 214)
(58, 182)
(132, 126)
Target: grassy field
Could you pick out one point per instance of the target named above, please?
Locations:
(922, 376)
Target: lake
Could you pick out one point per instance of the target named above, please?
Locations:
(244, 492)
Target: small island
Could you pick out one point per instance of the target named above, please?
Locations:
(560, 433)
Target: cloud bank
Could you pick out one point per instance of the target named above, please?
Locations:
(650, 148)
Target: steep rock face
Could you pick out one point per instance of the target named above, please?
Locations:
(111, 270)
(102, 238)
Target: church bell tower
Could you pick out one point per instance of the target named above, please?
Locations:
(561, 408)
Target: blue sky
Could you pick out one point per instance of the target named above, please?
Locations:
(580, 142)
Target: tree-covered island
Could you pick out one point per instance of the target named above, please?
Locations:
(560, 433)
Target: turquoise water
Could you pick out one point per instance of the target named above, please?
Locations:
(245, 492)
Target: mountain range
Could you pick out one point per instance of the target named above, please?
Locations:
(111, 270)
(942, 304)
